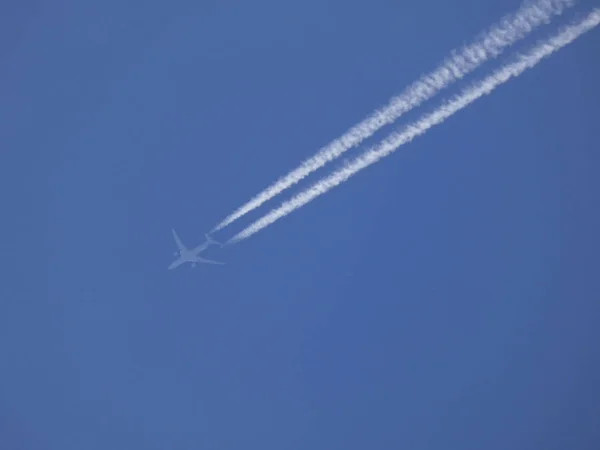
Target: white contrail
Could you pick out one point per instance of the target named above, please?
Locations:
(489, 44)
(408, 133)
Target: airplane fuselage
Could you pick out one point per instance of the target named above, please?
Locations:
(188, 256)
(185, 255)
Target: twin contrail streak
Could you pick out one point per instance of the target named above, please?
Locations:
(490, 44)
(389, 145)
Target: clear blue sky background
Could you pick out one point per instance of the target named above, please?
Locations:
(446, 298)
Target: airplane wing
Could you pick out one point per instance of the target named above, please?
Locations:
(207, 261)
(180, 245)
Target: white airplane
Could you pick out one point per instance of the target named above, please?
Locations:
(187, 255)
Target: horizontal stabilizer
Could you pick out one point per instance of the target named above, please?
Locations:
(210, 239)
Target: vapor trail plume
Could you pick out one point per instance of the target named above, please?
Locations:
(490, 44)
(408, 133)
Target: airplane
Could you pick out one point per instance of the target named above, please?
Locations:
(186, 255)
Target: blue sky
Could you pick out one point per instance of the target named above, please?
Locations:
(443, 298)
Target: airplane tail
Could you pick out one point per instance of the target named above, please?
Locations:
(211, 240)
